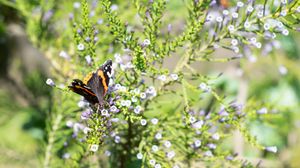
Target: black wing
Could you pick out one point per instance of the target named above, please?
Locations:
(80, 88)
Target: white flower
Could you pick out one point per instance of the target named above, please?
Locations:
(253, 40)
(117, 139)
(76, 5)
(174, 76)
(279, 24)
(158, 136)
(143, 122)
(114, 7)
(258, 45)
(234, 42)
(80, 47)
(113, 109)
(118, 58)
(263, 110)
(123, 103)
(162, 78)
(143, 95)
(128, 103)
(157, 166)
(260, 14)
(219, 19)
(212, 146)
(107, 153)
(235, 15)
(298, 9)
(88, 59)
(114, 120)
(146, 42)
(285, 32)
(154, 121)
(94, 148)
(66, 156)
(225, 12)
(100, 21)
(236, 49)
(82, 103)
(123, 89)
(86, 130)
(240, 4)
(154, 148)
(271, 149)
(69, 124)
(203, 86)
(266, 26)
(192, 119)
(50, 82)
(284, 1)
(64, 55)
(283, 13)
(171, 154)
(282, 70)
(104, 112)
(215, 136)
(250, 8)
(139, 156)
(167, 144)
(231, 28)
(247, 25)
(252, 58)
(197, 143)
(198, 124)
(208, 153)
(209, 17)
(136, 91)
(137, 109)
(152, 162)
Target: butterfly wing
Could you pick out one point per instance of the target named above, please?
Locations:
(80, 88)
(100, 80)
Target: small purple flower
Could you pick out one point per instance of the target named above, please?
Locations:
(271, 149)
(66, 156)
(197, 143)
(154, 121)
(158, 136)
(94, 148)
(137, 109)
(262, 111)
(86, 114)
(211, 146)
(171, 154)
(80, 47)
(208, 153)
(114, 109)
(198, 124)
(139, 156)
(143, 122)
(107, 153)
(76, 5)
(104, 112)
(167, 144)
(152, 162)
(117, 139)
(154, 148)
(215, 136)
(50, 82)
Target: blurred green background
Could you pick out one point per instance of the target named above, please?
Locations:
(25, 99)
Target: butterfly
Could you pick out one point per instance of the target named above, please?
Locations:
(95, 85)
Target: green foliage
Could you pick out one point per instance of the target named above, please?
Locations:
(178, 116)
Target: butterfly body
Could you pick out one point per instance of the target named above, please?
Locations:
(95, 85)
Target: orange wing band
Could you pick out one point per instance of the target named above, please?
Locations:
(100, 73)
